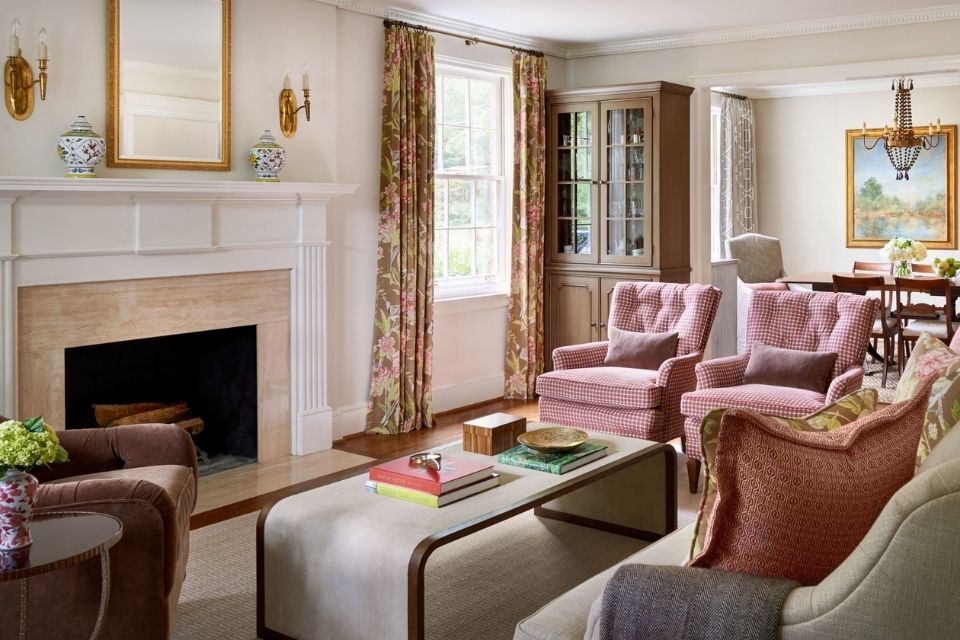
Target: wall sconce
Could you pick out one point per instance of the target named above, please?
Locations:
(288, 104)
(18, 76)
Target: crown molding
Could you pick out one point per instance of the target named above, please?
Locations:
(782, 30)
(570, 50)
(839, 87)
(505, 38)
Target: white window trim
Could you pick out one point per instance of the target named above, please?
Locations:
(716, 248)
(475, 286)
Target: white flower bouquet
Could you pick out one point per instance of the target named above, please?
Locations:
(901, 252)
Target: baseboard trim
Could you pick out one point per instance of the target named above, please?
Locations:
(456, 396)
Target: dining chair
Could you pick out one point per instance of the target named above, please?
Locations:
(914, 318)
(876, 267)
(872, 267)
(921, 267)
(885, 326)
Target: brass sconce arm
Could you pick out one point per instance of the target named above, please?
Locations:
(289, 108)
(18, 80)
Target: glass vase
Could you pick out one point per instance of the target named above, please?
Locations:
(18, 490)
(902, 269)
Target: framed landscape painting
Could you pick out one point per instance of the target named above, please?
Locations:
(880, 207)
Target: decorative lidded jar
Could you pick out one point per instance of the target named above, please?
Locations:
(267, 158)
(81, 148)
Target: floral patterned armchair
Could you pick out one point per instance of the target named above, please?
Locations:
(640, 403)
(801, 320)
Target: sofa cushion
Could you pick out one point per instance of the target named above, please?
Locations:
(603, 386)
(781, 401)
(842, 412)
(640, 350)
(931, 356)
(566, 617)
(794, 504)
(789, 368)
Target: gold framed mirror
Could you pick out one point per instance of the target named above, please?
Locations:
(168, 84)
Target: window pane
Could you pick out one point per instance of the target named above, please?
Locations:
(460, 204)
(486, 213)
(486, 252)
(440, 254)
(460, 253)
(480, 151)
(440, 203)
(454, 100)
(481, 104)
(454, 149)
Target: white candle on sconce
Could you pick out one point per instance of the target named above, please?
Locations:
(286, 80)
(306, 77)
(938, 125)
(42, 47)
(15, 37)
(864, 129)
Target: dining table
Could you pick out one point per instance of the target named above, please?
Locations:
(823, 281)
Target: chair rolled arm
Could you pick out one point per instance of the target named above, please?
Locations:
(677, 368)
(125, 447)
(722, 372)
(579, 356)
(847, 382)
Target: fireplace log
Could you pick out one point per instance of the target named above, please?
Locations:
(106, 413)
(166, 414)
(193, 426)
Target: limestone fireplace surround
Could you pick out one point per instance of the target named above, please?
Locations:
(90, 262)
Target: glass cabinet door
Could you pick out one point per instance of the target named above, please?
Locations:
(573, 203)
(626, 184)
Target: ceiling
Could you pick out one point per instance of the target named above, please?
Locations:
(569, 23)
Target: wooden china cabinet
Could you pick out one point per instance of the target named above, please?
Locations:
(618, 200)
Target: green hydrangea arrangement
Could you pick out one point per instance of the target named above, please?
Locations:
(25, 445)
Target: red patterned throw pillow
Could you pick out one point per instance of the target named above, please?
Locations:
(794, 504)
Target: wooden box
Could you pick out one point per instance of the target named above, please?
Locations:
(492, 434)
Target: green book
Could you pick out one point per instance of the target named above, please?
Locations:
(523, 456)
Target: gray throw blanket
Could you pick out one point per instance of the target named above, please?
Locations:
(685, 603)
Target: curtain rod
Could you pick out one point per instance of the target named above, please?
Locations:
(735, 96)
(468, 39)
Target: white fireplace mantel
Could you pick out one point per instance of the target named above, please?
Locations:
(61, 231)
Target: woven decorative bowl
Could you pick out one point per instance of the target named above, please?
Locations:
(553, 439)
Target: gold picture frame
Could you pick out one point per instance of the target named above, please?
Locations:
(879, 207)
(114, 70)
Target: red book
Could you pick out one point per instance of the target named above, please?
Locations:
(454, 473)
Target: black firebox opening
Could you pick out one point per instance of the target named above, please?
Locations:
(214, 371)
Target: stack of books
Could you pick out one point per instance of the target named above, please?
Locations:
(456, 479)
(523, 456)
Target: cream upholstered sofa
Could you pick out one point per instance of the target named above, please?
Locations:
(902, 581)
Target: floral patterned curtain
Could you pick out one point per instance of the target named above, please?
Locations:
(738, 169)
(524, 357)
(400, 394)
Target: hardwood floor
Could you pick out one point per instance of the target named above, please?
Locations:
(238, 491)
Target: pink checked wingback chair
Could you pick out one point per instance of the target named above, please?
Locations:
(800, 320)
(640, 403)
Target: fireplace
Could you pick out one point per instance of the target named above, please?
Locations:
(128, 259)
(214, 372)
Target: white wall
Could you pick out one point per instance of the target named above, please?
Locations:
(801, 161)
(304, 33)
(341, 143)
(695, 66)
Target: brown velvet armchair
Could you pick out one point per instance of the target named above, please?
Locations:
(145, 475)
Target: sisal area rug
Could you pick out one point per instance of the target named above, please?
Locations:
(477, 588)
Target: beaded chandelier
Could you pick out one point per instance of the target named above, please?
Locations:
(901, 142)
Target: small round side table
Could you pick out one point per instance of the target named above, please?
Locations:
(63, 539)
